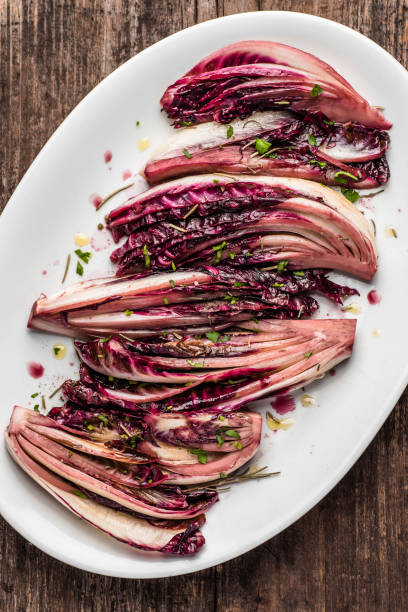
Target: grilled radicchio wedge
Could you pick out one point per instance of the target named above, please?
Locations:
(244, 221)
(276, 143)
(172, 537)
(257, 360)
(258, 75)
(182, 301)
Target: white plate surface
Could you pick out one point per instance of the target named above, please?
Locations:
(52, 203)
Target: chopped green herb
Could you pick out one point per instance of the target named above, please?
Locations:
(83, 255)
(213, 336)
(232, 255)
(222, 418)
(110, 378)
(220, 439)
(319, 163)
(309, 354)
(103, 418)
(90, 427)
(238, 284)
(328, 122)
(172, 283)
(100, 356)
(37, 407)
(70, 453)
(201, 454)
(137, 123)
(351, 194)
(230, 131)
(194, 364)
(146, 256)
(238, 445)
(79, 493)
(100, 226)
(169, 407)
(79, 268)
(225, 338)
(311, 140)
(56, 349)
(35, 394)
(165, 301)
(338, 176)
(316, 91)
(185, 123)
(103, 340)
(231, 433)
(277, 284)
(187, 154)
(298, 273)
(282, 266)
(262, 146)
(219, 249)
(128, 312)
(222, 475)
(173, 266)
(216, 181)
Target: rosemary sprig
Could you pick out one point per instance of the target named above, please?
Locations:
(55, 391)
(190, 212)
(248, 474)
(177, 227)
(66, 268)
(111, 195)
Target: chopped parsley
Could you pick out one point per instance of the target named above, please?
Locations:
(165, 301)
(201, 454)
(351, 194)
(328, 122)
(83, 255)
(338, 177)
(277, 285)
(128, 312)
(37, 407)
(319, 163)
(311, 140)
(79, 268)
(194, 364)
(146, 256)
(238, 284)
(185, 123)
(262, 146)
(219, 249)
(232, 433)
(172, 283)
(213, 336)
(187, 153)
(230, 131)
(220, 439)
(298, 273)
(282, 266)
(173, 266)
(309, 354)
(79, 493)
(35, 394)
(316, 91)
(103, 418)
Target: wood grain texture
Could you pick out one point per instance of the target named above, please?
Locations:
(350, 552)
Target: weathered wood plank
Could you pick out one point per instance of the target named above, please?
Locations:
(348, 553)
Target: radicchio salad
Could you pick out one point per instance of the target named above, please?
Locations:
(217, 275)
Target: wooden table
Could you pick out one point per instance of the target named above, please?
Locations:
(349, 552)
